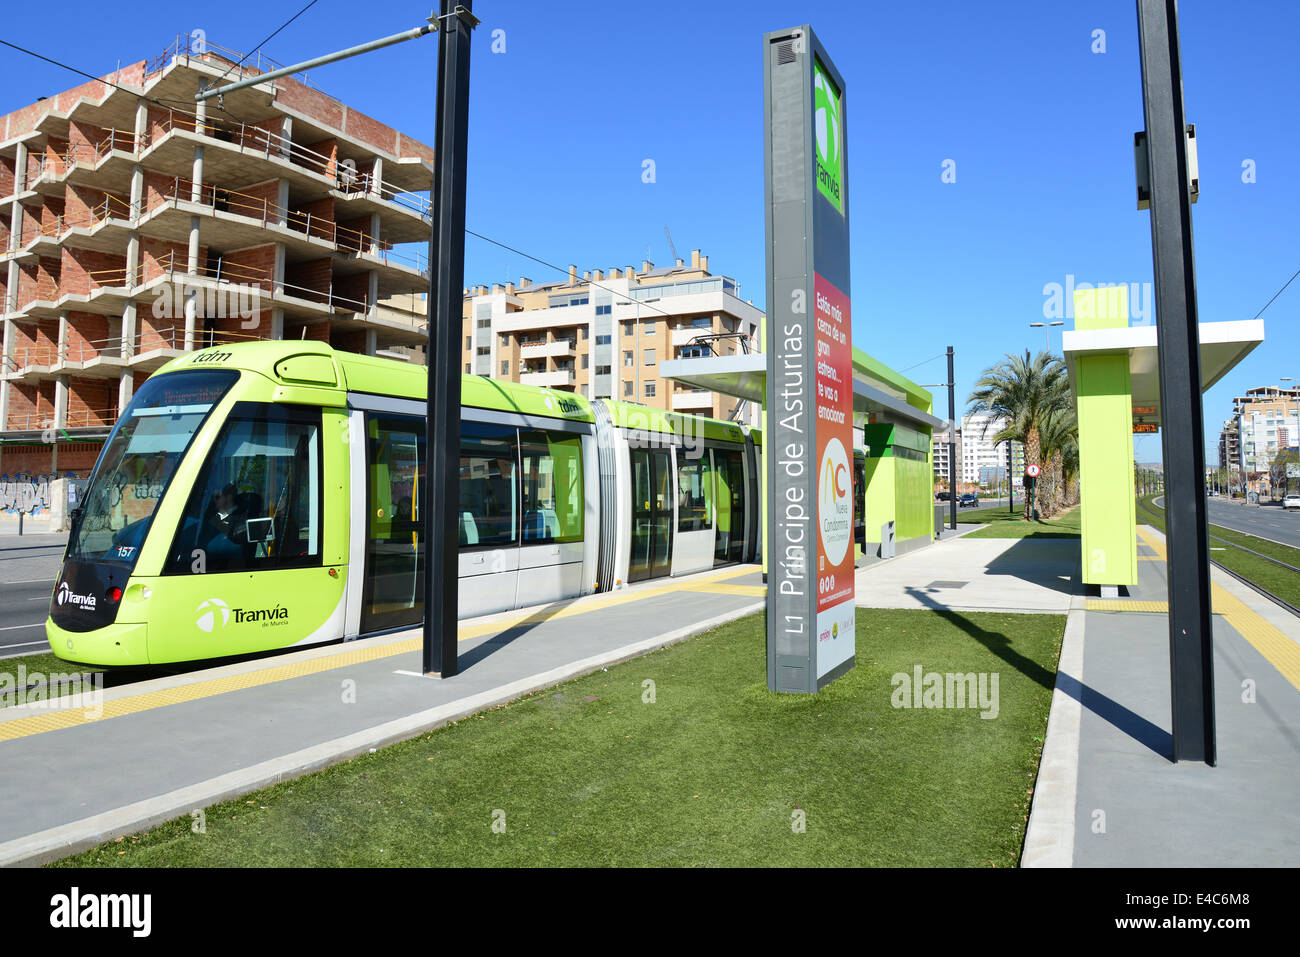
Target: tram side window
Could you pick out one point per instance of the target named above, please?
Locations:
(694, 494)
(553, 499)
(256, 503)
(489, 498)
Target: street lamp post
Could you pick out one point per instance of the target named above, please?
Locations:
(1047, 332)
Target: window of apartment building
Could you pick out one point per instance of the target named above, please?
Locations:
(628, 329)
(627, 390)
(585, 357)
(602, 370)
(484, 350)
(485, 323)
(505, 366)
(649, 329)
(469, 343)
(505, 339)
(629, 358)
(649, 390)
(467, 368)
(568, 299)
(649, 357)
(584, 388)
(582, 333)
(604, 340)
(604, 310)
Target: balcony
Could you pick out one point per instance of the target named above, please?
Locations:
(559, 349)
(695, 400)
(682, 337)
(528, 320)
(565, 378)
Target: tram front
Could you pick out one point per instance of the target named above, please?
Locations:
(96, 612)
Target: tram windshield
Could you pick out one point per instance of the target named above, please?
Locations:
(142, 455)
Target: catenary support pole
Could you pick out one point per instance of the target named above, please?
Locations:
(1178, 347)
(446, 278)
(952, 445)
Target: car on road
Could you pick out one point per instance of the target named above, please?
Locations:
(969, 499)
(941, 496)
(1292, 501)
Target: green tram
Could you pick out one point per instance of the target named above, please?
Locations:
(265, 495)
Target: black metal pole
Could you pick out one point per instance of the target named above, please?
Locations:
(1191, 650)
(446, 278)
(1011, 489)
(952, 445)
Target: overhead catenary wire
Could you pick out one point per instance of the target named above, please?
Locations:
(1278, 293)
(265, 42)
(550, 265)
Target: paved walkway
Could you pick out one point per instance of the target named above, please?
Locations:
(1108, 793)
(159, 749)
(977, 574)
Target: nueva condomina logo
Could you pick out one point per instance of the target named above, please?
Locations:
(829, 133)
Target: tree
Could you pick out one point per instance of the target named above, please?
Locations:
(1278, 478)
(1022, 392)
(1059, 437)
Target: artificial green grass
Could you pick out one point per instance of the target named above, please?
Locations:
(714, 772)
(1282, 582)
(39, 667)
(1003, 524)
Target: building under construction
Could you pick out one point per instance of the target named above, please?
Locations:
(137, 224)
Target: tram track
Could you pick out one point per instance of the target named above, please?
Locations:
(1157, 515)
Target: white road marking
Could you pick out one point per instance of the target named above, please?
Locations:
(30, 581)
(35, 624)
(23, 644)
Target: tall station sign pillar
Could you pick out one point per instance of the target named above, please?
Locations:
(809, 439)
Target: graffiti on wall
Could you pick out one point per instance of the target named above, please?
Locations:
(25, 493)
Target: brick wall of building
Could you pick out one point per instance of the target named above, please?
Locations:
(309, 280)
(87, 336)
(254, 265)
(82, 270)
(91, 402)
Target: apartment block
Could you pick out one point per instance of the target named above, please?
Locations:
(603, 333)
(1266, 421)
(939, 443)
(137, 225)
(981, 456)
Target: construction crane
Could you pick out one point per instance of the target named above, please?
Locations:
(670, 243)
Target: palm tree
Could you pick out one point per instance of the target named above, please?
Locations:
(1023, 392)
(1059, 436)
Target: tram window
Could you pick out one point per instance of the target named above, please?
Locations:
(553, 499)
(694, 494)
(489, 498)
(256, 503)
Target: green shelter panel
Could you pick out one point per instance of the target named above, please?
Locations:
(1107, 508)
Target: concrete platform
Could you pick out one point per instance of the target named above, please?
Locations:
(1108, 792)
(159, 749)
(977, 574)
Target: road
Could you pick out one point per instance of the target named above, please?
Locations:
(1265, 521)
(29, 565)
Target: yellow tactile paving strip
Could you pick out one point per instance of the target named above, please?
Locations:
(1282, 653)
(73, 717)
(1124, 604)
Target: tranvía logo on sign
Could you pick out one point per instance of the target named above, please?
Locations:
(66, 596)
(208, 612)
(827, 124)
(835, 514)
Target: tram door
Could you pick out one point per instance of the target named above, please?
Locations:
(393, 590)
(652, 514)
(729, 472)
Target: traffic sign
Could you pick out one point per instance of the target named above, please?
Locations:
(1032, 471)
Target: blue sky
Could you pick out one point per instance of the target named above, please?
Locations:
(1039, 127)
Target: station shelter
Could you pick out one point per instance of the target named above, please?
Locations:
(1115, 382)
